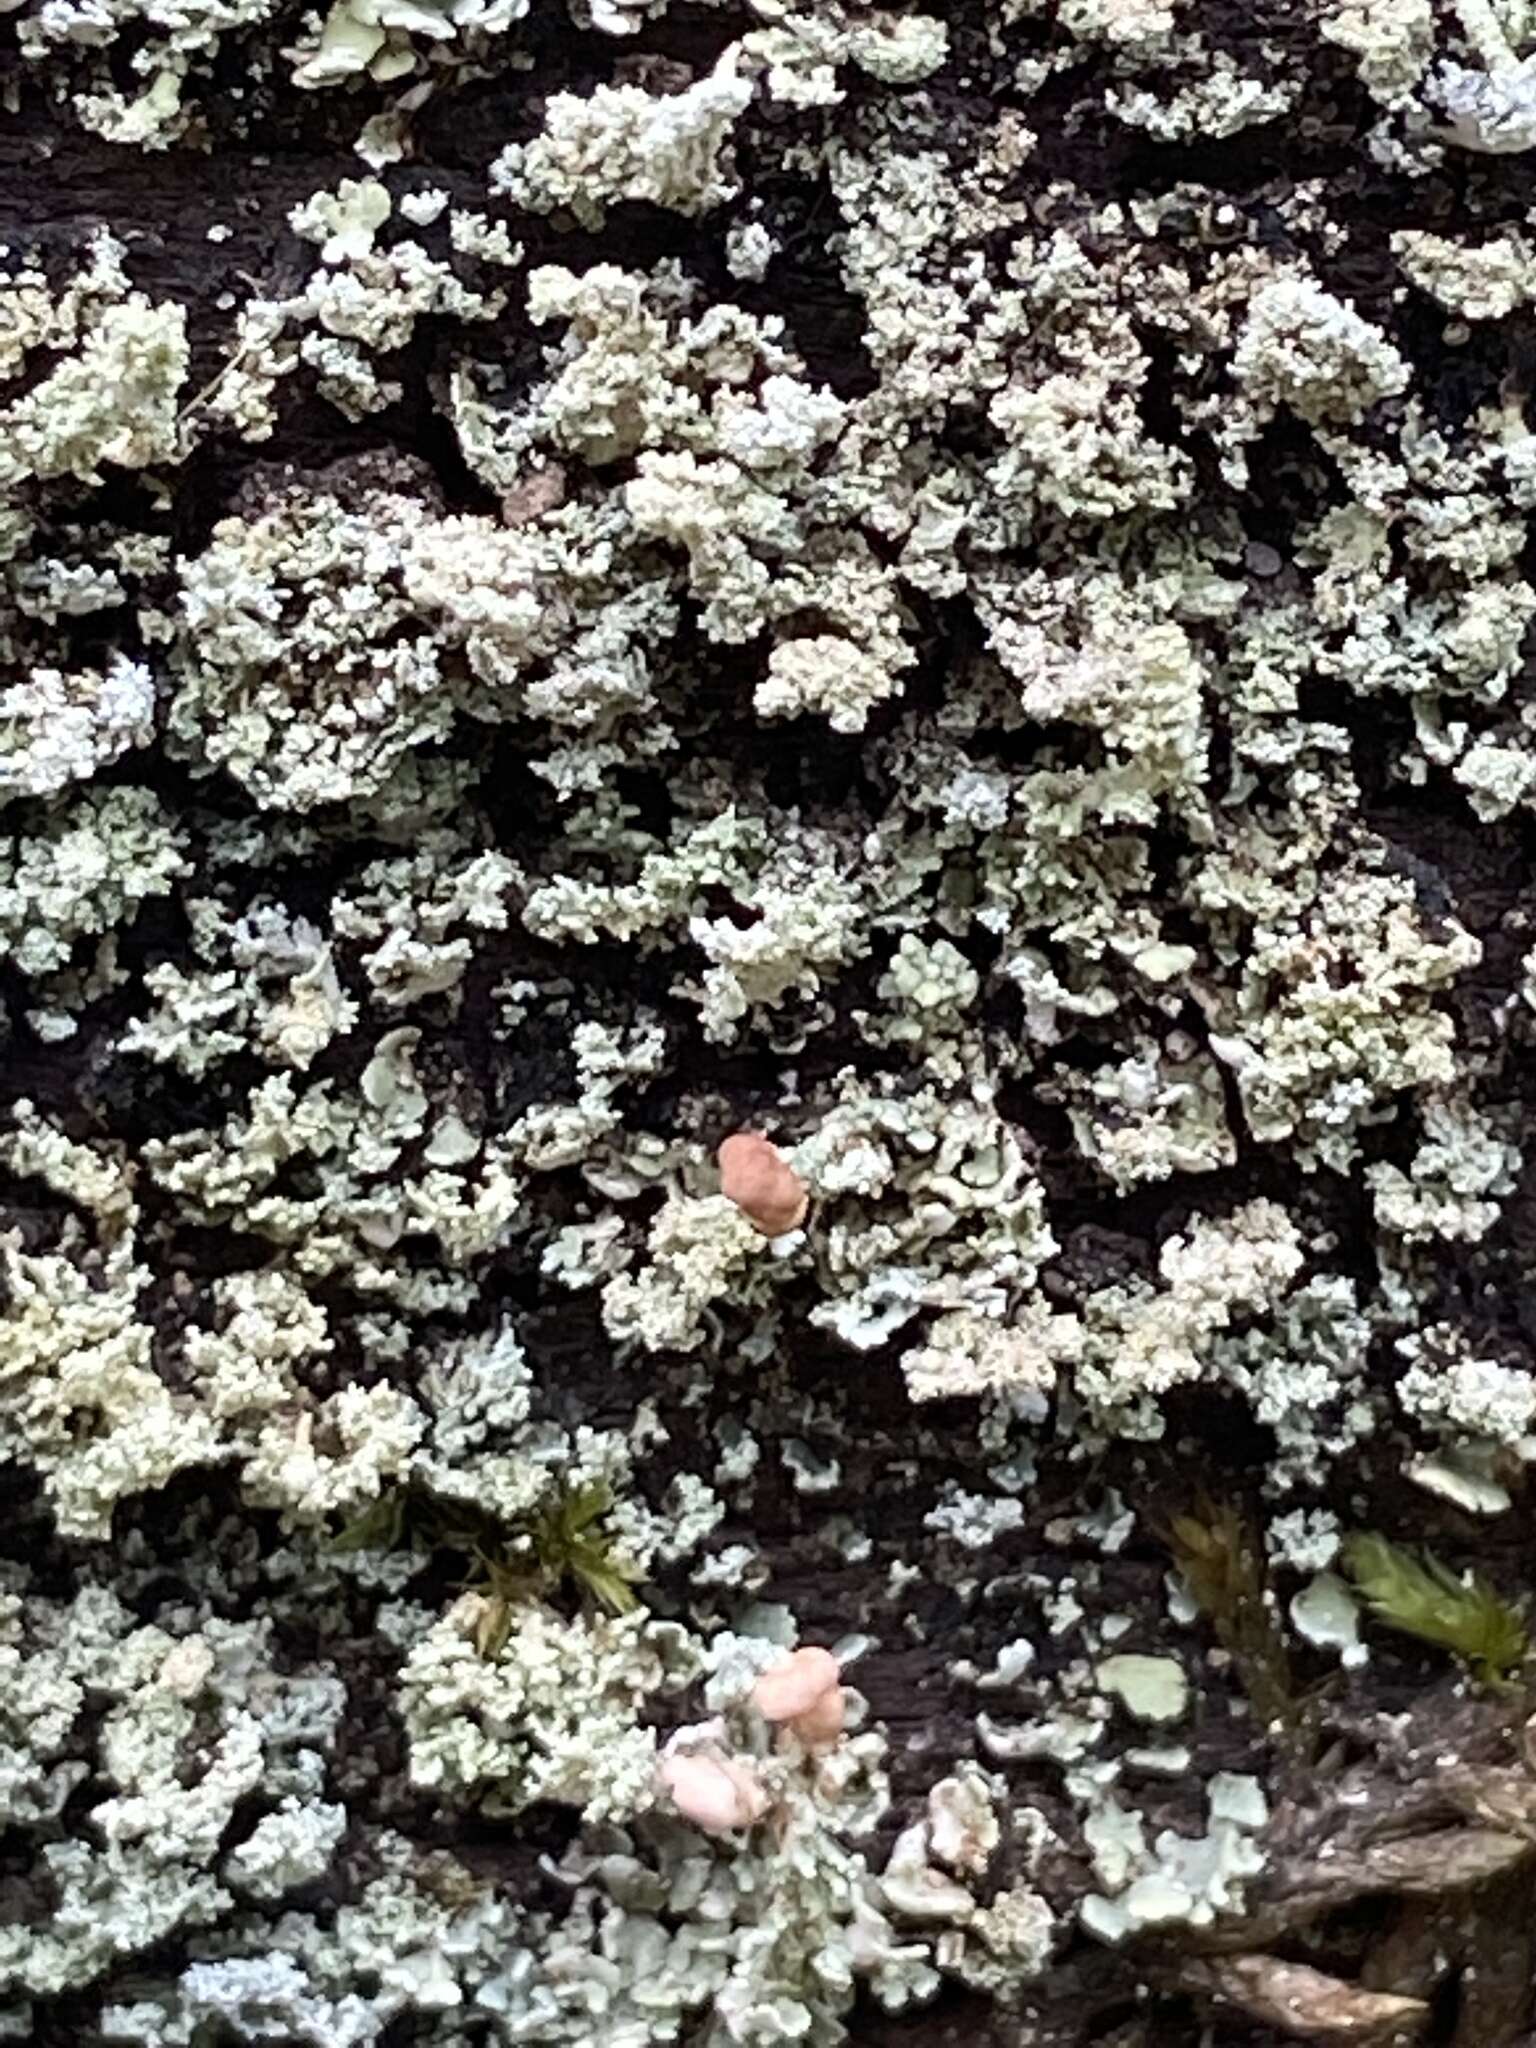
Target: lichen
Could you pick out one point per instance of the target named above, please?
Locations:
(762, 815)
(625, 143)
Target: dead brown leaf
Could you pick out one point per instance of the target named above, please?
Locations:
(1305, 2002)
(1505, 1798)
(1450, 1859)
(1439, 1861)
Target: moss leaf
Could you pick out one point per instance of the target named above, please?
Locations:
(1419, 1596)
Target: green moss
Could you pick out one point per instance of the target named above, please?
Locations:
(1221, 1557)
(1419, 1596)
(562, 1542)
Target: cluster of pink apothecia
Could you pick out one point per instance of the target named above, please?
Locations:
(802, 1696)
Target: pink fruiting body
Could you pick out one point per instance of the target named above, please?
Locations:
(799, 1686)
(716, 1793)
(755, 1175)
(820, 1725)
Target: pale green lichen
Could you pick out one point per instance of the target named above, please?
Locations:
(113, 398)
(81, 869)
(625, 143)
(922, 659)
